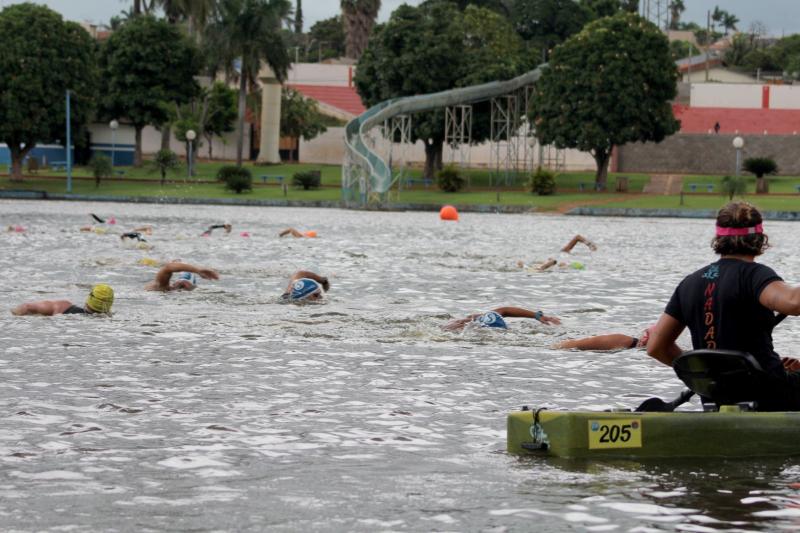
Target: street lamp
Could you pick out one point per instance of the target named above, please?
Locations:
(738, 143)
(114, 124)
(190, 136)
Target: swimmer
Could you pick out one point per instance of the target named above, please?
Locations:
(186, 280)
(227, 227)
(16, 228)
(551, 262)
(133, 235)
(99, 301)
(495, 318)
(611, 341)
(305, 286)
(296, 234)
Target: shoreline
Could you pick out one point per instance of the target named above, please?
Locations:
(628, 212)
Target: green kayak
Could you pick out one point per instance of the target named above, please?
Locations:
(744, 415)
(729, 432)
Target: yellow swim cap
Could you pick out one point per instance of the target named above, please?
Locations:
(100, 299)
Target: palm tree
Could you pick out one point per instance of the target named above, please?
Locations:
(729, 22)
(196, 12)
(359, 18)
(676, 9)
(242, 34)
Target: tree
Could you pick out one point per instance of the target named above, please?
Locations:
(164, 161)
(676, 9)
(329, 37)
(466, 48)
(41, 57)
(740, 47)
(298, 17)
(761, 166)
(195, 12)
(221, 115)
(247, 32)
(359, 18)
(300, 117)
(608, 8)
(729, 22)
(146, 63)
(596, 95)
(546, 23)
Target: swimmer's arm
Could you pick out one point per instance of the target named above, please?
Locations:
(612, 341)
(322, 280)
(460, 323)
(547, 264)
(661, 345)
(781, 297)
(290, 231)
(44, 307)
(519, 312)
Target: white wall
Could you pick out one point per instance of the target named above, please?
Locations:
(737, 96)
(784, 97)
(320, 74)
(328, 148)
(151, 141)
(717, 75)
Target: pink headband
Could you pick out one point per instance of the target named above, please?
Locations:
(733, 232)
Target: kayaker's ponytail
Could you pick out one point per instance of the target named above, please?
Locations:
(739, 231)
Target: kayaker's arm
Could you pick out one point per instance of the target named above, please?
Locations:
(781, 297)
(661, 345)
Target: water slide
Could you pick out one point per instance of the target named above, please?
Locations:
(374, 168)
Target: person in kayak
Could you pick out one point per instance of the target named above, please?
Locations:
(99, 301)
(731, 303)
(305, 286)
(186, 280)
(496, 318)
(610, 341)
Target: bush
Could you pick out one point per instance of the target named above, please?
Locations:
(543, 182)
(760, 166)
(311, 179)
(733, 185)
(236, 179)
(449, 180)
(165, 160)
(100, 164)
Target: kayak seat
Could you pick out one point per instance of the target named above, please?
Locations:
(724, 377)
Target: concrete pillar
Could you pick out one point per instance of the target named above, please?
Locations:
(270, 119)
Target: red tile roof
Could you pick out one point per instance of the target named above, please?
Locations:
(747, 121)
(344, 98)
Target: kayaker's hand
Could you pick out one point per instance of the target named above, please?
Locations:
(790, 364)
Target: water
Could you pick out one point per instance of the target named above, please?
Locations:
(225, 409)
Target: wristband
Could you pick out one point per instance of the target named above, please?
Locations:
(538, 315)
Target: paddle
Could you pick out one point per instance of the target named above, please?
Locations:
(659, 405)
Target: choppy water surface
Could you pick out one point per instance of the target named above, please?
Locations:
(224, 409)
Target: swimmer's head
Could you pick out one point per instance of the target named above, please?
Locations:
(644, 338)
(304, 290)
(100, 299)
(491, 320)
(186, 281)
(311, 234)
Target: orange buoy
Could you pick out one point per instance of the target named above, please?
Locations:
(310, 234)
(448, 212)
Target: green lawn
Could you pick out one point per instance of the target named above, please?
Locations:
(483, 188)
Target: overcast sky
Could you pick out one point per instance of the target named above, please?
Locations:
(779, 16)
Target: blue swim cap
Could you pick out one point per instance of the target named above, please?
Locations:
(303, 288)
(491, 320)
(187, 276)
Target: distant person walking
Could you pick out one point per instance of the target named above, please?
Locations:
(716, 127)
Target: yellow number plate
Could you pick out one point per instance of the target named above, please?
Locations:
(615, 433)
